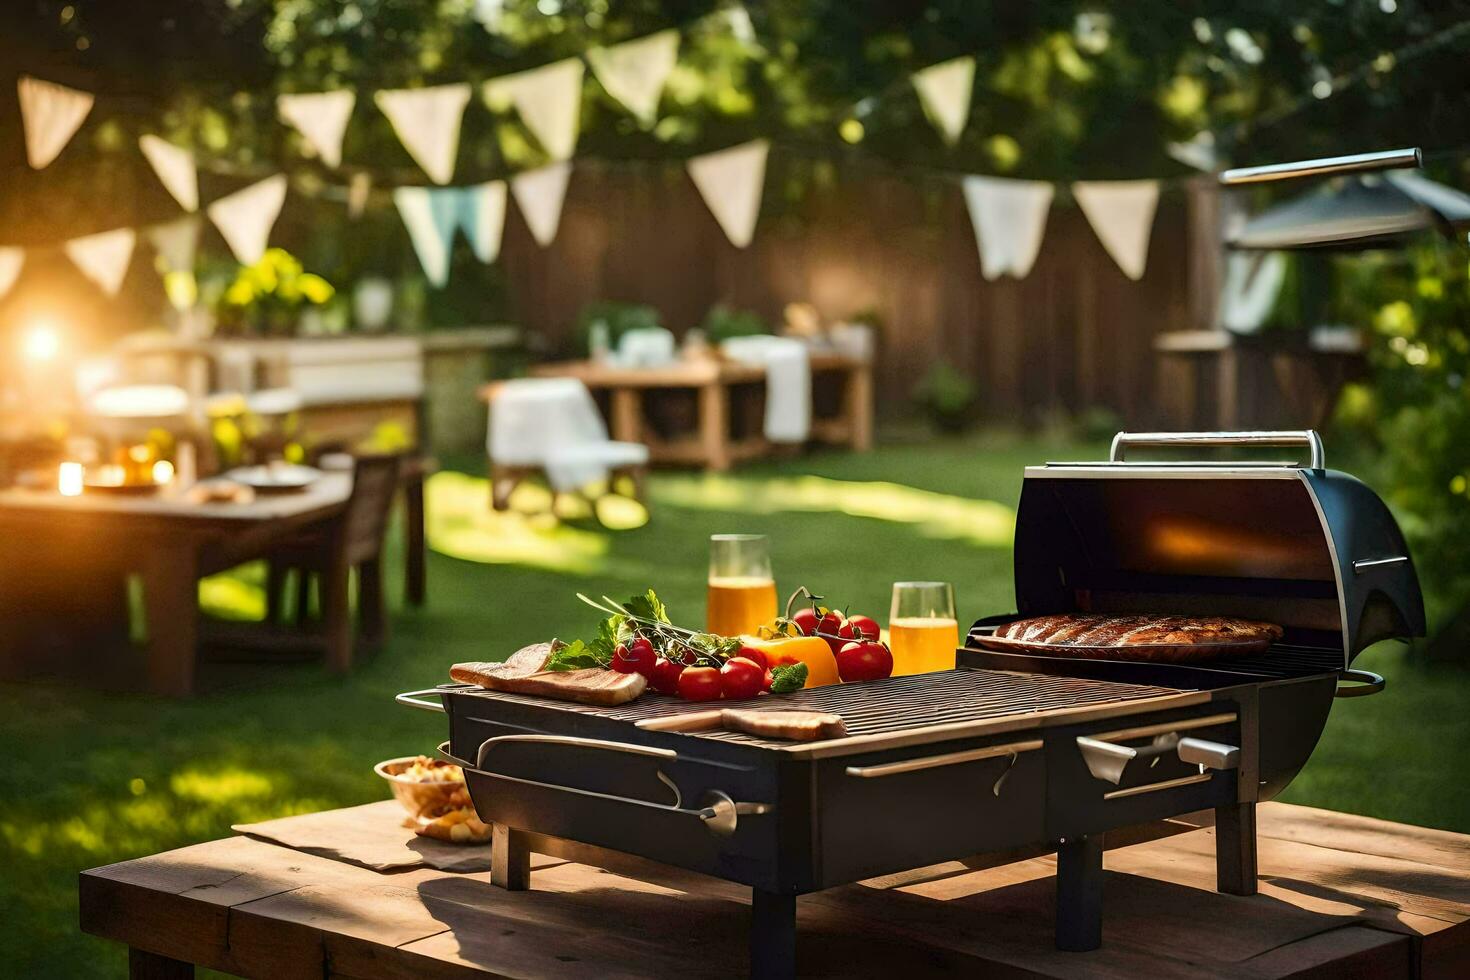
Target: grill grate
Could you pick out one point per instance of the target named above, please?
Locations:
(898, 703)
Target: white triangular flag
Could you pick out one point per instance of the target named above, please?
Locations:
(11, 259)
(944, 92)
(175, 168)
(634, 72)
(482, 217)
(427, 122)
(1121, 212)
(176, 242)
(539, 194)
(103, 258)
(1009, 218)
(245, 218)
(731, 182)
(1198, 152)
(1252, 283)
(321, 119)
(430, 233)
(549, 100)
(51, 115)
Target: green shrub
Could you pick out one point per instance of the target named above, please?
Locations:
(947, 397)
(723, 322)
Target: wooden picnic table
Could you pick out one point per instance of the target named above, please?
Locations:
(1340, 895)
(713, 445)
(170, 542)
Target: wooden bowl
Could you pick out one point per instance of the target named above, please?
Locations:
(417, 797)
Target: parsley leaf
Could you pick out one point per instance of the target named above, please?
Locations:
(574, 656)
(648, 606)
(788, 678)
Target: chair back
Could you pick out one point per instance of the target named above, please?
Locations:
(532, 417)
(374, 482)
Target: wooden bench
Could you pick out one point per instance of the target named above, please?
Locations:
(1339, 895)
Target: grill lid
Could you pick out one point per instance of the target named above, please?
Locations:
(1311, 549)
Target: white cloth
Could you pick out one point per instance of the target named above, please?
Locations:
(246, 217)
(51, 115)
(788, 383)
(1009, 217)
(1121, 213)
(554, 424)
(321, 119)
(944, 92)
(175, 168)
(646, 347)
(731, 182)
(549, 101)
(330, 372)
(634, 72)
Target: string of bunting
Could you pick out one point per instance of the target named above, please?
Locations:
(1008, 215)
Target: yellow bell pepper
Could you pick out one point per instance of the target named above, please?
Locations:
(821, 666)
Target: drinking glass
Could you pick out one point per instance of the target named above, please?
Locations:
(922, 629)
(742, 591)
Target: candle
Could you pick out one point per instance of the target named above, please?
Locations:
(69, 479)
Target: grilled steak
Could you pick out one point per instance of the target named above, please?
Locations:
(522, 673)
(1130, 631)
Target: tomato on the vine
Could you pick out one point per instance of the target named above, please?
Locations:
(700, 684)
(665, 676)
(741, 678)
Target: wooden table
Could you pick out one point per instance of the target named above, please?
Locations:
(713, 445)
(1340, 895)
(171, 543)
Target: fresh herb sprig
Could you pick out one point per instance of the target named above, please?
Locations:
(646, 616)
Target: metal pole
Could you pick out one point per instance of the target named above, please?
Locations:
(1327, 166)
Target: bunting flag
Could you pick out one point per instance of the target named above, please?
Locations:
(482, 217)
(1121, 213)
(321, 119)
(634, 72)
(176, 242)
(1009, 217)
(731, 182)
(104, 257)
(430, 229)
(11, 259)
(944, 92)
(427, 122)
(1198, 152)
(359, 186)
(539, 194)
(1252, 283)
(175, 168)
(433, 214)
(549, 101)
(51, 115)
(245, 218)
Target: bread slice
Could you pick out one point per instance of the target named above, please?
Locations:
(801, 726)
(522, 673)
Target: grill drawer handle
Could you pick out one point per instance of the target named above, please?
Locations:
(411, 698)
(1107, 760)
(1365, 682)
(1305, 438)
(948, 759)
(719, 812)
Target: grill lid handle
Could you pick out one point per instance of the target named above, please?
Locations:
(1325, 167)
(1304, 438)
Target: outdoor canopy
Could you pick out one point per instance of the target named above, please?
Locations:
(1356, 213)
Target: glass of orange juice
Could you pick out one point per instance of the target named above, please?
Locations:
(742, 591)
(922, 629)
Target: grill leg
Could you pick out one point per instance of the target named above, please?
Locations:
(1079, 894)
(510, 859)
(772, 935)
(1235, 849)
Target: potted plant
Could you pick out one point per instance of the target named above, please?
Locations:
(269, 296)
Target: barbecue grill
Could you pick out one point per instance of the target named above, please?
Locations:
(1009, 750)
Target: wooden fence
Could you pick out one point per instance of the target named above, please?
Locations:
(1075, 333)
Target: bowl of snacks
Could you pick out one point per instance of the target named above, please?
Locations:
(424, 785)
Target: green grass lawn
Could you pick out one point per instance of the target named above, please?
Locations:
(95, 778)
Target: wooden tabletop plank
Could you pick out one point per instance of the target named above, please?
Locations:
(251, 907)
(330, 491)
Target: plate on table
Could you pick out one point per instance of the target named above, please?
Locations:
(90, 485)
(275, 477)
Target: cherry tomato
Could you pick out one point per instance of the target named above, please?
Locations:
(865, 625)
(621, 661)
(831, 623)
(699, 684)
(806, 620)
(767, 680)
(755, 656)
(741, 678)
(638, 657)
(665, 676)
(864, 660)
